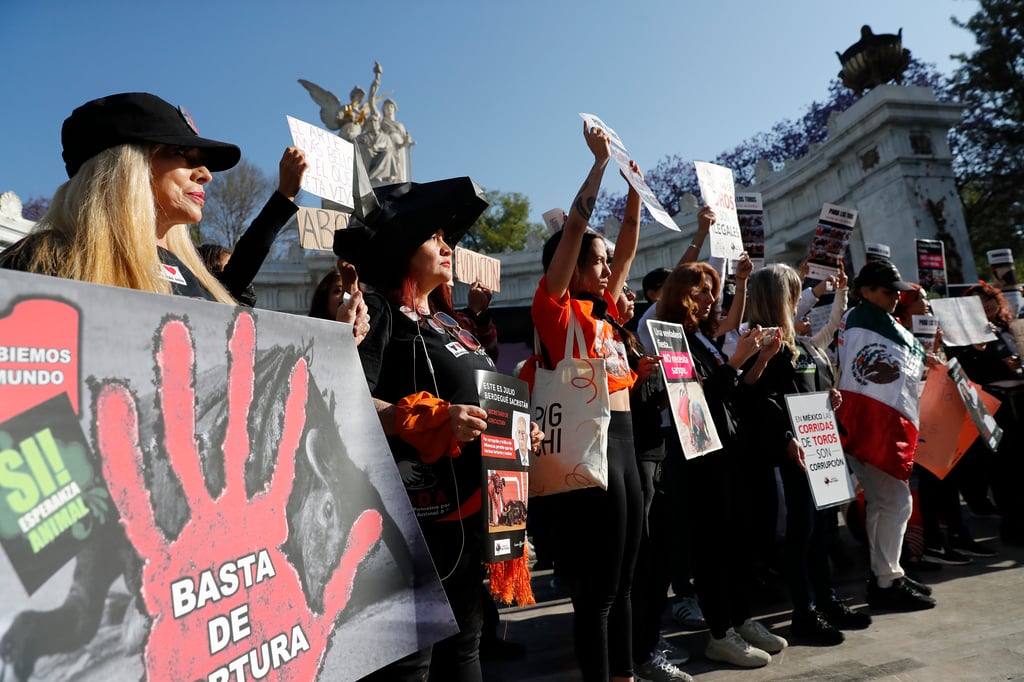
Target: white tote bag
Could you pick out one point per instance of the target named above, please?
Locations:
(571, 405)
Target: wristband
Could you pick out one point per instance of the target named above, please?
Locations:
(694, 245)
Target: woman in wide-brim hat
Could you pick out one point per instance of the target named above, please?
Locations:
(420, 366)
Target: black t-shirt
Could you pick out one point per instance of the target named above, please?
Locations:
(183, 281)
(395, 360)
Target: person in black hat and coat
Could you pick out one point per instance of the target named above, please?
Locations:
(420, 365)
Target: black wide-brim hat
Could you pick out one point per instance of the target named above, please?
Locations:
(137, 117)
(381, 243)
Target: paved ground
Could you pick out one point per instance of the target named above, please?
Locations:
(975, 633)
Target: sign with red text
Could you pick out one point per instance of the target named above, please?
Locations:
(471, 267)
(719, 192)
(814, 427)
(689, 407)
(931, 264)
(636, 181)
(329, 160)
(831, 237)
(194, 490)
(505, 451)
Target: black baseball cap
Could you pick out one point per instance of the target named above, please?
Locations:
(136, 117)
(881, 274)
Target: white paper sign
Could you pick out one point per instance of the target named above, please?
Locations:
(962, 320)
(831, 236)
(814, 426)
(718, 191)
(635, 181)
(471, 266)
(330, 160)
(317, 225)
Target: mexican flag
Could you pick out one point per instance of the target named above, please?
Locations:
(880, 368)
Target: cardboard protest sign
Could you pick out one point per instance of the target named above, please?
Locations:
(244, 499)
(750, 213)
(931, 264)
(718, 191)
(924, 328)
(330, 160)
(689, 408)
(946, 430)
(814, 426)
(989, 432)
(317, 225)
(635, 181)
(505, 449)
(831, 237)
(877, 252)
(963, 320)
(471, 266)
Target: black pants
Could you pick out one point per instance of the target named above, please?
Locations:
(806, 548)
(599, 535)
(457, 658)
(652, 576)
(717, 489)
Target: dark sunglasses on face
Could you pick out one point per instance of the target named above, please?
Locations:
(449, 324)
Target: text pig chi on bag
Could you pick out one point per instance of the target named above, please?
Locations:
(571, 405)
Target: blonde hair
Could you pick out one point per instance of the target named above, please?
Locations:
(101, 228)
(772, 294)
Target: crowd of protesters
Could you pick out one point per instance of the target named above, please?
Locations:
(698, 527)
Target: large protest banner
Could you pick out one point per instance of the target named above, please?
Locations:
(194, 491)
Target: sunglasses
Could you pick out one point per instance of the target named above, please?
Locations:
(443, 322)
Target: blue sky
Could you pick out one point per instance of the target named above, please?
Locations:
(491, 90)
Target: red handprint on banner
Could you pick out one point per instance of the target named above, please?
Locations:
(225, 602)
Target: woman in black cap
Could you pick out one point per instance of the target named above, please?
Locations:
(420, 365)
(137, 170)
(136, 167)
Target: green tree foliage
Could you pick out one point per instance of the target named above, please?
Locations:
(504, 226)
(988, 145)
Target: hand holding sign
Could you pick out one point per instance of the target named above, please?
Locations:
(260, 619)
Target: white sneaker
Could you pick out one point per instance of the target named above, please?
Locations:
(735, 650)
(657, 669)
(676, 655)
(759, 636)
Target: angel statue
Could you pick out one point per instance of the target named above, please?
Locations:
(362, 122)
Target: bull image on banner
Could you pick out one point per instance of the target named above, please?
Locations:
(194, 491)
(689, 407)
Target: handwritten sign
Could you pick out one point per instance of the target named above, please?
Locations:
(719, 192)
(330, 160)
(814, 427)
(471, 266)
(317, 225)
(636, 181)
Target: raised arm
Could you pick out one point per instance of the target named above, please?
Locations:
(739, 300)
(705, 219)
(625, 243)
(559, 273)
